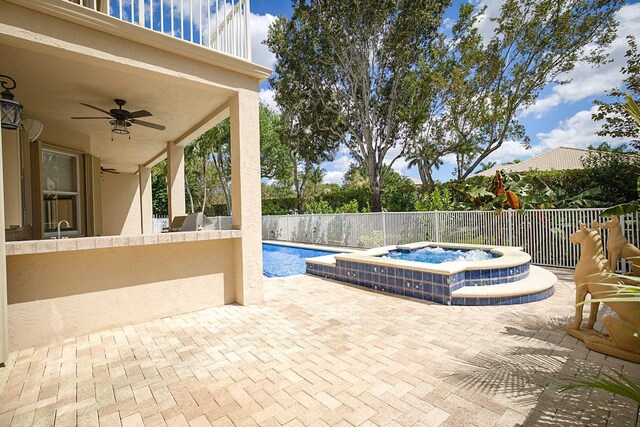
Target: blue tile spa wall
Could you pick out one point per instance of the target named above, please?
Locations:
(416, 284)
(510, 300)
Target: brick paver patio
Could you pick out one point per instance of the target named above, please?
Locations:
(320, 353)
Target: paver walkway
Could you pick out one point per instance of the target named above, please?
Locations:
(320, 353)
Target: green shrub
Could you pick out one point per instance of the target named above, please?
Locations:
(438, 199)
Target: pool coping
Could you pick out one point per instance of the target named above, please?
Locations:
(312, 246)
(511, 256)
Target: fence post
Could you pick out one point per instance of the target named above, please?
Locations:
(510, 227)
(437, 221)
(384, 229)
(288, 228)
(344, 230)
(624, 233)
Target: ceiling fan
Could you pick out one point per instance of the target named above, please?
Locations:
(109, 170)
(120, 119)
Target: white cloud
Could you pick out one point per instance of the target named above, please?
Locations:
(260, 53)
(578, 131)
(401, 165)
(449, 159)
(485, 25)
(333, 177)
(336, 169)
(268, 97)
(590, 82)
(514, 150)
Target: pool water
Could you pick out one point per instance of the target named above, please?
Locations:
(283, 261)
(435, 255)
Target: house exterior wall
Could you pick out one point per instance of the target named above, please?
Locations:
(56, 295)
(53, 296)
(246, 197)
(11, 174)
(121, 204)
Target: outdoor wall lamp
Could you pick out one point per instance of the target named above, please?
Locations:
(10, 109)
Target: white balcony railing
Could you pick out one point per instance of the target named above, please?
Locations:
(222, 25)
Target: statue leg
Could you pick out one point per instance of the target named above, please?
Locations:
(614, 256)
(593, 315)
(621, 335)
(581, 295)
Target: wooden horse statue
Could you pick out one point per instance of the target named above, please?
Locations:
(592, 277)
(618, 246)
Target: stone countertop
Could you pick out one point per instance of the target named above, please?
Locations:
(27, 247)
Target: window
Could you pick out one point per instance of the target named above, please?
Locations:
(60, 191)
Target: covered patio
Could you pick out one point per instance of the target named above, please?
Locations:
(321, 353)
(84, 182)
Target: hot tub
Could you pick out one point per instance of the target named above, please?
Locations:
(450, 274)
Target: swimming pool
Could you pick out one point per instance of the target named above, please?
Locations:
(283, 261)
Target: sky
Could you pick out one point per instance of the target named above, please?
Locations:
(560, 117)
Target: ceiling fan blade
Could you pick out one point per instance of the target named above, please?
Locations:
(96, 108)
(147, 124)
(140, 113)
(84, 118)
(110, 170)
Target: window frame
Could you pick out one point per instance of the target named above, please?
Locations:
(80, 210)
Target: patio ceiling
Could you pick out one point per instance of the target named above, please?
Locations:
(51, 89)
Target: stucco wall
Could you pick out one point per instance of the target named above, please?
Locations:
(11, 173)
(54, 296)
(121, 204)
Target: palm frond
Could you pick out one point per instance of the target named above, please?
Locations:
(620, 385)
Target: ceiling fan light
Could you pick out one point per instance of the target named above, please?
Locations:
(120, 127)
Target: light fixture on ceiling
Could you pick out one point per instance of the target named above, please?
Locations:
(10, 109)
(120, 127)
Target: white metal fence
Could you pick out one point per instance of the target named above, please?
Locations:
(542, 233)
(217, 24)
(160, 223)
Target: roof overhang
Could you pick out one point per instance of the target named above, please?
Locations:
(59, 63)
(99, 21)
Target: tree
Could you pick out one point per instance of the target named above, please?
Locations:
(399, 193)
(159, 189)
(316, 176)
(307, 131)
(534, 43)
(617, 123)
(350, 60)
(487, 165)
(208, 161)
(427, 131)
(208, 165)
(274, 158)
(605, 146)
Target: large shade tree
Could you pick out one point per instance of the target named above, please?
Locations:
(533, 43)
(616, 122)
(346, 63)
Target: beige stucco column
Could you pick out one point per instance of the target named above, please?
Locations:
(146, 204)
(4, 326)
(245, 194)
(175, 180)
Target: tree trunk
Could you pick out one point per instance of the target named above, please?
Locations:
(204, 183)
(227, 199)
(190, 197)
(375, 187)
